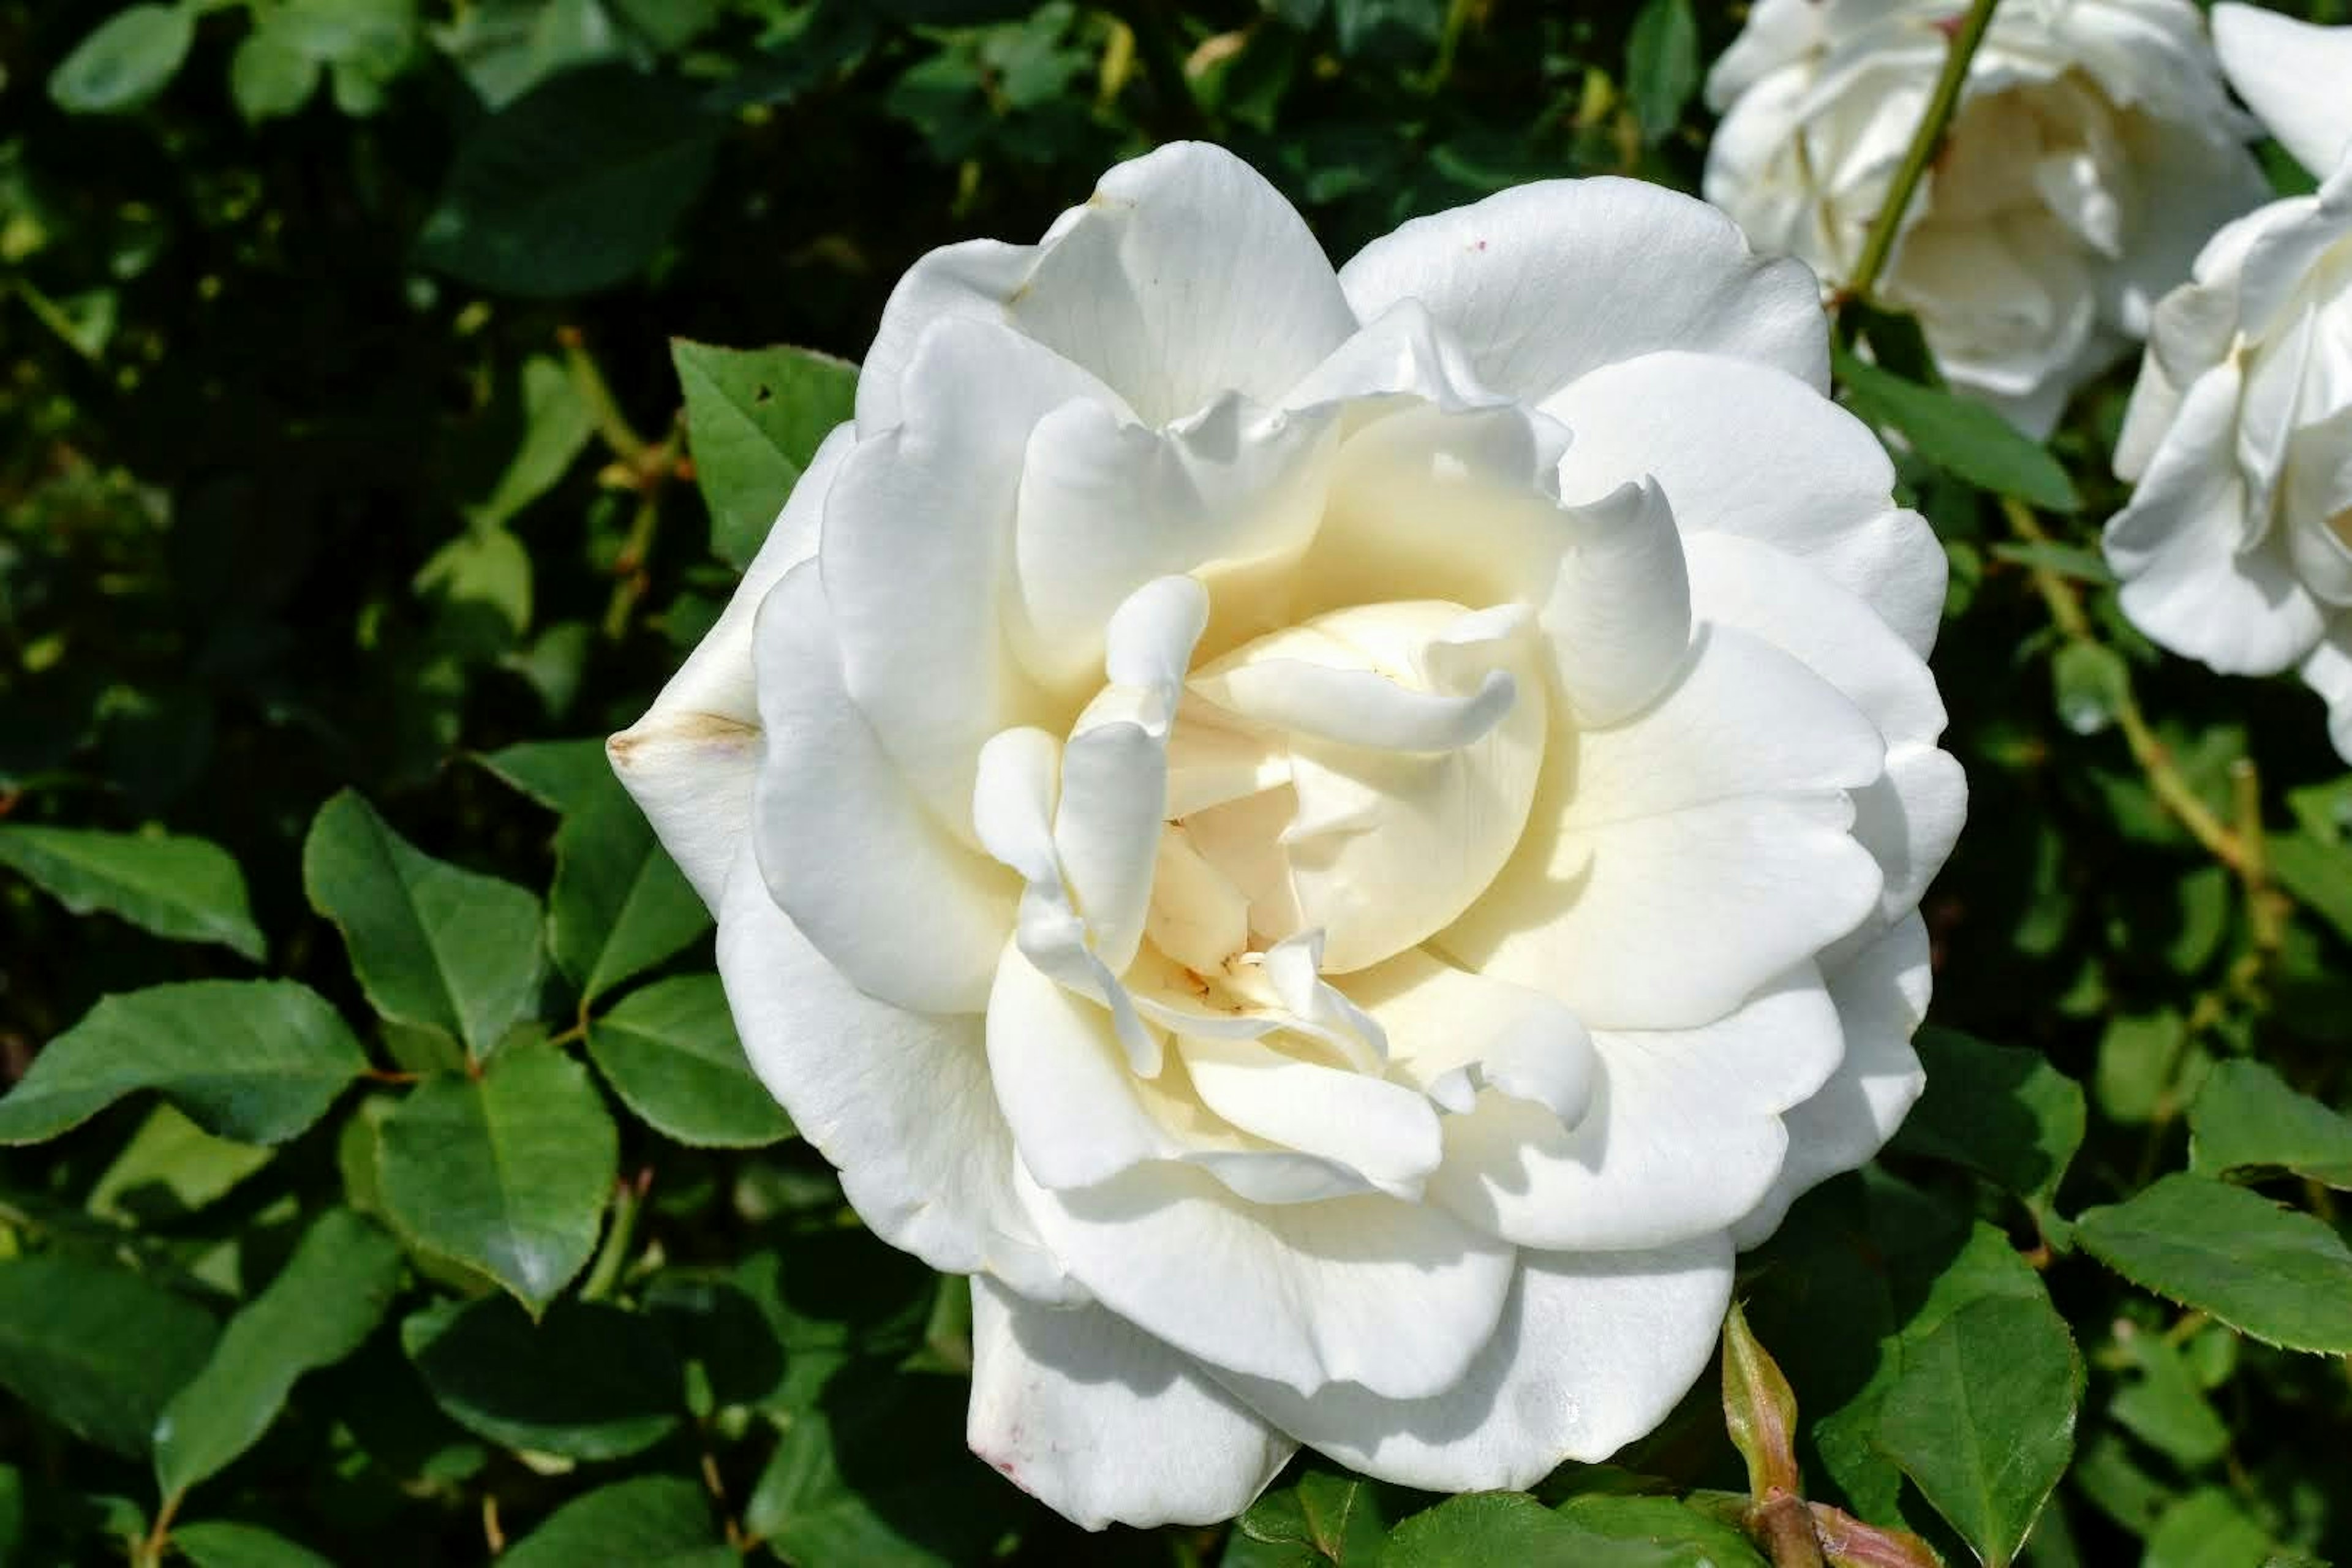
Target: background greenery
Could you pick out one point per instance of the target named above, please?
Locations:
(363, 458)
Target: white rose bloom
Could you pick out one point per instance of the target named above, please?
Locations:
(2093, 151)
(1337, 841)
(2237, 546)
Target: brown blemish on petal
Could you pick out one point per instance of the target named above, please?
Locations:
(685, 728)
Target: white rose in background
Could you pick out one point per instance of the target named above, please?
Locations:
(2093, 151)
(2237, 546)
(1335, 841)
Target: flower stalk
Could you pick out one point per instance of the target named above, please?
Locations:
(1925, 142)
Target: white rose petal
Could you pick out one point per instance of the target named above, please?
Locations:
(2236, 548)
(1331, 838)
(2092, 152)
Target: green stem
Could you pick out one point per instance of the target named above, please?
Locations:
(2164, 779)
(1457, 17)
(1924, 143)
(149, 1552)
(629, 566)
(629, 1198)
(588, 381)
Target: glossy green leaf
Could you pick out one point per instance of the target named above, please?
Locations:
(2247, 1119)
(327, 1299)
(222, 1543)
(1661, 65)
(98, 1350)
(252, 1060)
(753, 419)
(1982, 1418)
(1999, 1110)
(587, 1381)
(670, 1052)
(188, 889)
(507, 1172)
(125, 61)
(1327, 1515)
(1966, 439)
(435, 947)
(1680, 1536)
(573, 186)
(2274, 1273)
(658, 1521)
(620, 905)
(1486, 1528)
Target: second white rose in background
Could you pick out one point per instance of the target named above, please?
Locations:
(2093, 151)
(2237, 546)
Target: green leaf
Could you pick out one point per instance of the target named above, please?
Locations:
(507, 1172)
(1327, 1515)
(188, 889)
(556, 425)
(587, 1381)
(573, 188)
(252, 1060)
(671, 1054)
(219, 1543)
(2318, 874)
(876, 1474)
(561, 775)
(368, 41)
(321, 1306)
(1486, 1528)
(171, 1168)
(2001, 1112)
(96, 1350)
(270, 76)
(620, 905)
(658, 1521)
(126, 61)
(2245, 1117)
(481, 583)
(754, 418)
(1982, 1418)
(1965, 439)
(723, 1332)
(2207, 1529)
(435, 947)
(2162, 1406)
(2276, 1274)
(1662, 66)
(1684, 1537)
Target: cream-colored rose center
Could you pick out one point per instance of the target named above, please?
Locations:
(1365, 773)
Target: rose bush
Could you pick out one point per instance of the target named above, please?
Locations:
(1335, 841)
(2093, 152)
(2236, 548)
